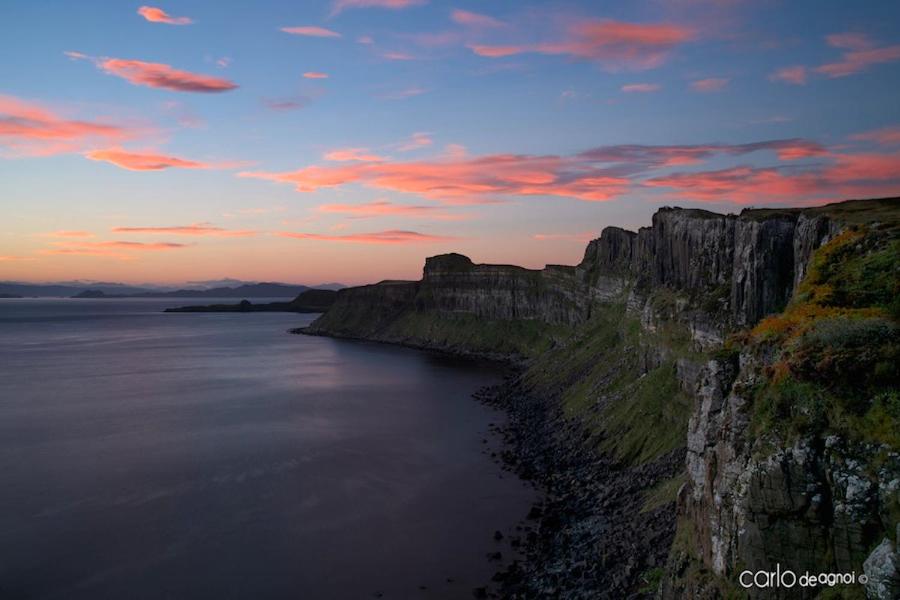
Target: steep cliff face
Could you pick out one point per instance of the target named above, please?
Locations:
(788, 460)
(451, 283)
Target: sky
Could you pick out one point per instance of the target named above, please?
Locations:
(347, 140)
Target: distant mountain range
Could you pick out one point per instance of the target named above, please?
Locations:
(88, 289)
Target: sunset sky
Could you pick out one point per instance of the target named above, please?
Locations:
(346, 140)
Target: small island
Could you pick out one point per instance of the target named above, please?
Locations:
(310, 301)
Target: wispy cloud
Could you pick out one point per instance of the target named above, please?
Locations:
(311, 31)
(598, 174)
(145, 161)
(496, 51)
(352, 155)
(194, 229)
(315, 75)
(159, 75)
(641, 88)
(795, 75)
(420, 139)
(385, 208)
(712, 84)
(404, 93)
(886, 136)
(69, 234)
(285, 104)
(158, 15)
(615, 45)
(860, 54)
(31, 129)
(122, 250)
(390, 55)
(339, 6)
(472, 19)
(392, 236)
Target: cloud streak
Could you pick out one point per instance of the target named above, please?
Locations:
(194, 229)
(163, 76)
(30, 129)
(140, 161)
(795, 75)
(339, 6)
(392, 236)
(712, 84)
(311, 31)
(643, 88)
(599, 174)
(615, 45)
(860, 54)
(158, 15)
(353, 155)
(384, 208)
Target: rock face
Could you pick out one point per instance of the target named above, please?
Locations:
(755, 501)
(752, 500)
(451, 283)
(734, 270)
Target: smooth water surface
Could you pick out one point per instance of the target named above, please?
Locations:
(151, 455)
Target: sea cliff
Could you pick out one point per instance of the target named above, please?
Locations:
(710, 394)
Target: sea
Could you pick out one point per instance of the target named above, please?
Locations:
(148, 455)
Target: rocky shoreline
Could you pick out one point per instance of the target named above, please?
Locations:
(587, 508)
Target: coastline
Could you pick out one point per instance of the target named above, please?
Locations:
(586, 500)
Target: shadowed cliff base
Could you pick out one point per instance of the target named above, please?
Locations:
(761, 346)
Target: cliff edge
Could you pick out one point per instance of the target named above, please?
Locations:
(728, 384)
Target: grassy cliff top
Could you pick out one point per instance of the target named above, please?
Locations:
(882, 210)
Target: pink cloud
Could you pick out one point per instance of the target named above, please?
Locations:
(418, 140)
(886, 136)
(158, 75)
(795, 75)
(384, 208)
(311, 31)
(471, 19)
(339, 6)
(858, 61)
(30, 129)
(404, 93)
(849, 41)
(847, 176)
(285, 104)
(158, 15)
(599, 174)
(315, 75)
(619, 45)
(392, 236)
(397, 56)
(10, 258)
(140, 161)
(464, 180)
(196, 229)
(641, 87)
(353, 154)
(69, 234)
(497, 51)
(713, 84)
(114, 249)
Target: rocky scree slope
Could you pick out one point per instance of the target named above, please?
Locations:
(730, 380)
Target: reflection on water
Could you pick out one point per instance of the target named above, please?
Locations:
(151, 455)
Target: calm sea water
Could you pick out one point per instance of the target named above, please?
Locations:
(151, 455)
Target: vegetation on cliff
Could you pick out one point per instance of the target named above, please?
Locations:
(836, 348)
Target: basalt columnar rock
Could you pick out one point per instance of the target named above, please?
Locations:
(763, 344)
